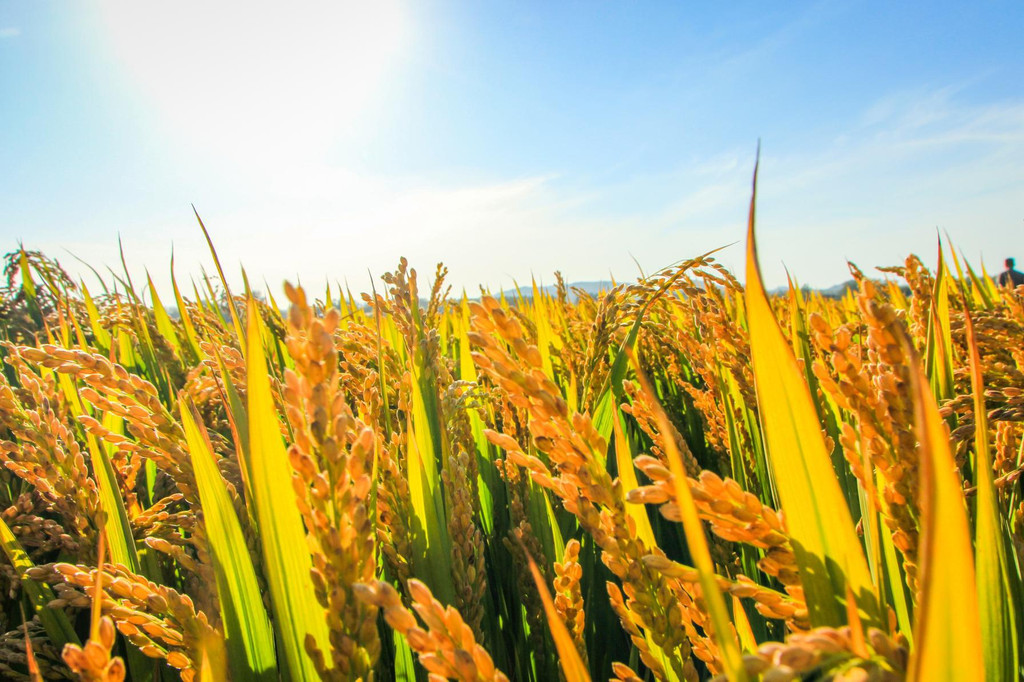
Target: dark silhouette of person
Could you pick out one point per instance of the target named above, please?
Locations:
(1011, 278)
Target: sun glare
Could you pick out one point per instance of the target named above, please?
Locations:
(253, 82)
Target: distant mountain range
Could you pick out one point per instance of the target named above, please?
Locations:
(595, 287)
(837, 290)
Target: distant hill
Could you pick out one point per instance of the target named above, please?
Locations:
(836, 290)
(593, 288)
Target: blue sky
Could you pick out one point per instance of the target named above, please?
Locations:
(510, 138)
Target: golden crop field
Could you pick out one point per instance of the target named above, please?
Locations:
(681, 479)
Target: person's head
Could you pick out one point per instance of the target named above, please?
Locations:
(1009, 264)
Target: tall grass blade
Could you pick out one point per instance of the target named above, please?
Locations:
(999, 627)
(248, 636)
(286, 557)
(627, 474)
(948, 626)
(828, 552)
(698, 545)
(162, 319)
(184, 315)
(939, 348)
(568, 658)
(224, 282)
(980, 291)
(431, 544)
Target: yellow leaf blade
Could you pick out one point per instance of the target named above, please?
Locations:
(568, 658)
(697, 542)
(948, 627)
(624, 462)
(820, 524)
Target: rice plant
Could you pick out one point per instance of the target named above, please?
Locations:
(683, 478)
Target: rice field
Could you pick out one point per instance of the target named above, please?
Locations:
(683, 478)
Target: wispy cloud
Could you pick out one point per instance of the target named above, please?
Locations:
(9, 32)
(871, 191)
(879, 190)
(749, 58)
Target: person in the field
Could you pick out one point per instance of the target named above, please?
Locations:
(1010, 277)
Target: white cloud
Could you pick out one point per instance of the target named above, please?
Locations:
(9, 32)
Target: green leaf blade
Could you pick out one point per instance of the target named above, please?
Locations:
(248, 635)
(285, 553)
